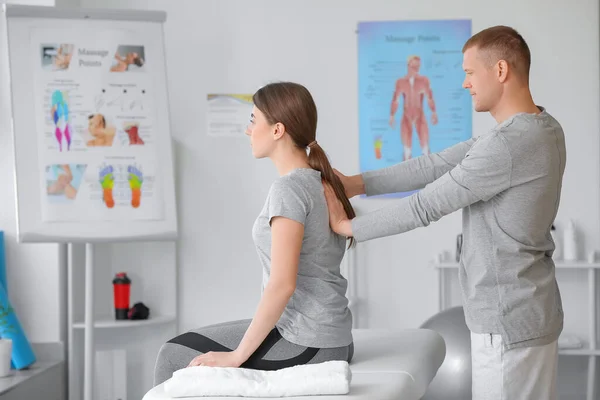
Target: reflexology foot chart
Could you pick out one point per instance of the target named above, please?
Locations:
(96, 119)
(124, 185)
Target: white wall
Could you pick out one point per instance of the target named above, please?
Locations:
(34, 272)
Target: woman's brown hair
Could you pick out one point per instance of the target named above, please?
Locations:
(292, 105)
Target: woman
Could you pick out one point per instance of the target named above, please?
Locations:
(303, 315)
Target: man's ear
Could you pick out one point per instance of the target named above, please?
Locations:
(502, 71)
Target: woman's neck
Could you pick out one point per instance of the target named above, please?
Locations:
(287, 161)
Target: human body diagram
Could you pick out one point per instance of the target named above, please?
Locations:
(414, 89)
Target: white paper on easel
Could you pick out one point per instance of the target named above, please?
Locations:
(88, 96)
(97, 127)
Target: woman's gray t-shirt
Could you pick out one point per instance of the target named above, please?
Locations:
(317, 314)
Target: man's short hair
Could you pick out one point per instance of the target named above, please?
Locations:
(503, 43)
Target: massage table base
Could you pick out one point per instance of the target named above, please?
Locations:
(386, 365)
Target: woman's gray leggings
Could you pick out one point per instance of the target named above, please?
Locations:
(274, 353)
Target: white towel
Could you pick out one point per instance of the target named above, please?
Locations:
(327, 378)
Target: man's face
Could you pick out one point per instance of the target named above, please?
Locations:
(481, 80)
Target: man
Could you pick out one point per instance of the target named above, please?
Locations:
(413, 88)
(508, 183)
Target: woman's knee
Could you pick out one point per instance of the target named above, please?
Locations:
(163, 353)
(171, 357)
(163, 368)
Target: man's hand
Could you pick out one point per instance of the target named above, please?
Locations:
(353, 185)
(218, 359)
(434, 118)
(338, 220)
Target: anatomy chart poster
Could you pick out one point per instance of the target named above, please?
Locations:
(411, 100)
(95, 119)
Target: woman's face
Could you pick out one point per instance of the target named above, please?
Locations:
(262, 134)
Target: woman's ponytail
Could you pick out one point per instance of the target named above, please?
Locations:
(317, 159)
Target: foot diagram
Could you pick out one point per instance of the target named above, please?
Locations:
(60, 116)
(378, 144)
(136, 178)
(107, 181)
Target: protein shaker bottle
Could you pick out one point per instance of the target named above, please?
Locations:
(121, 286)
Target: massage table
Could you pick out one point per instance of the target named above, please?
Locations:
(387, 365)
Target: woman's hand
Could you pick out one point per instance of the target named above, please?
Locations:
(218, 359)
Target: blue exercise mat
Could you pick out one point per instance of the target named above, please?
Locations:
(10, 327)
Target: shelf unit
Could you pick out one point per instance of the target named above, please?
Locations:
(152, 269)
(107, 323)
(591, 352)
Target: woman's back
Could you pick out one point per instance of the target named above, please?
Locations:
(317, 314)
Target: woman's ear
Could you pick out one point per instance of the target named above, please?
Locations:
(279, 131)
